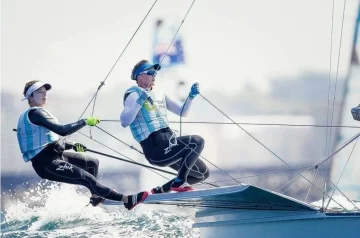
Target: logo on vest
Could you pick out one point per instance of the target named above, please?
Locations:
(64, 167)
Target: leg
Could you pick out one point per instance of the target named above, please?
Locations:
(198, 173)
(62, 171)
(83, 161)
(186, 149)
(180, 154)
(87, 163)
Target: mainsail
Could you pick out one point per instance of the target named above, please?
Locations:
(346, 164)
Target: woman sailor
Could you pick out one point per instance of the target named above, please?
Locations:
(38, 136)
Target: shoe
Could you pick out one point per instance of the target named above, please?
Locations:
(135, 199)
(181, 186)
(96, 201)
(158, 190)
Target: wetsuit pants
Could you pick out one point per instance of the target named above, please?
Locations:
(73, 168)
(161, 148)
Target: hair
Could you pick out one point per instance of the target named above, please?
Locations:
(137, 66)
(27, 86)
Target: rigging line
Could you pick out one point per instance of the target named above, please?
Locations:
(132, 147)
(328, 97)
(289, 182)
(92, 113)
(323, 192)
(253, 124)
(344, 195)
(314, 177)
(326, 158)
(248, 124)
(118, 153)
(263, 174)
(174, 39)
(134, 162)
(337, 72)
(337, 150)
(328, 143)
(266, 147)
(343, 170)
(103, 82)
(158, 109)
(177, 31)
(210, 162)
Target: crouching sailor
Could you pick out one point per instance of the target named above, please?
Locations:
(38, 136)
(145, 111)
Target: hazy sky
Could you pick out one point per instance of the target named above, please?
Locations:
(229, 43)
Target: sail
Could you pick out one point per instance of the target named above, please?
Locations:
(349, 158)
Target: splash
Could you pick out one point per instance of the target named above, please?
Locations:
(53, 210)
(335, 203)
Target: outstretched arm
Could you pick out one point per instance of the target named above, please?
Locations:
(41, 118)
(180, 110)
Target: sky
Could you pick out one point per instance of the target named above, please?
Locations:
(228, 44)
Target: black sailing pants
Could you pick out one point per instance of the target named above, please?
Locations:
(72, 168)
(182, 153)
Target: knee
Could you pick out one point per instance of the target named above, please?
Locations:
(199, 140)
(93, 162)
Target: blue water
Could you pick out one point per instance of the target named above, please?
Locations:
(61, 212)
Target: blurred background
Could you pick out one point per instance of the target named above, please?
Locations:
(260, 62)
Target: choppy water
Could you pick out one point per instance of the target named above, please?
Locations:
(53, 210)
(62, 213)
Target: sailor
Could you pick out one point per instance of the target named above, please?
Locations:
(145, 111)
(38, 134)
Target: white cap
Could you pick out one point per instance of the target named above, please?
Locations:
(34, 87)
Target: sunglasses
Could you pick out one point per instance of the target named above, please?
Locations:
(150, 72)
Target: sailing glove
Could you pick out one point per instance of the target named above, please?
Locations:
(92, 121)
(195, 90)
(78, 147)
(143, 98)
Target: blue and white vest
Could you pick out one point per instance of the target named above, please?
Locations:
(148, 118)
(33, 138)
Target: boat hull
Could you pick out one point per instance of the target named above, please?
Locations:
(271, 224)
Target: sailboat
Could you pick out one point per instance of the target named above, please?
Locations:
(245, 210)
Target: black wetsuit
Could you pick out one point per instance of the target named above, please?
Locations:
(181, 154)
(56, 164)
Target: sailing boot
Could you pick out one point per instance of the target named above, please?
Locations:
(160, 190)
(180, 186)
(135, 199)
(95, 201)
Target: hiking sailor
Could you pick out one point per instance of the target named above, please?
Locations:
(145, 111)
(38, 136)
